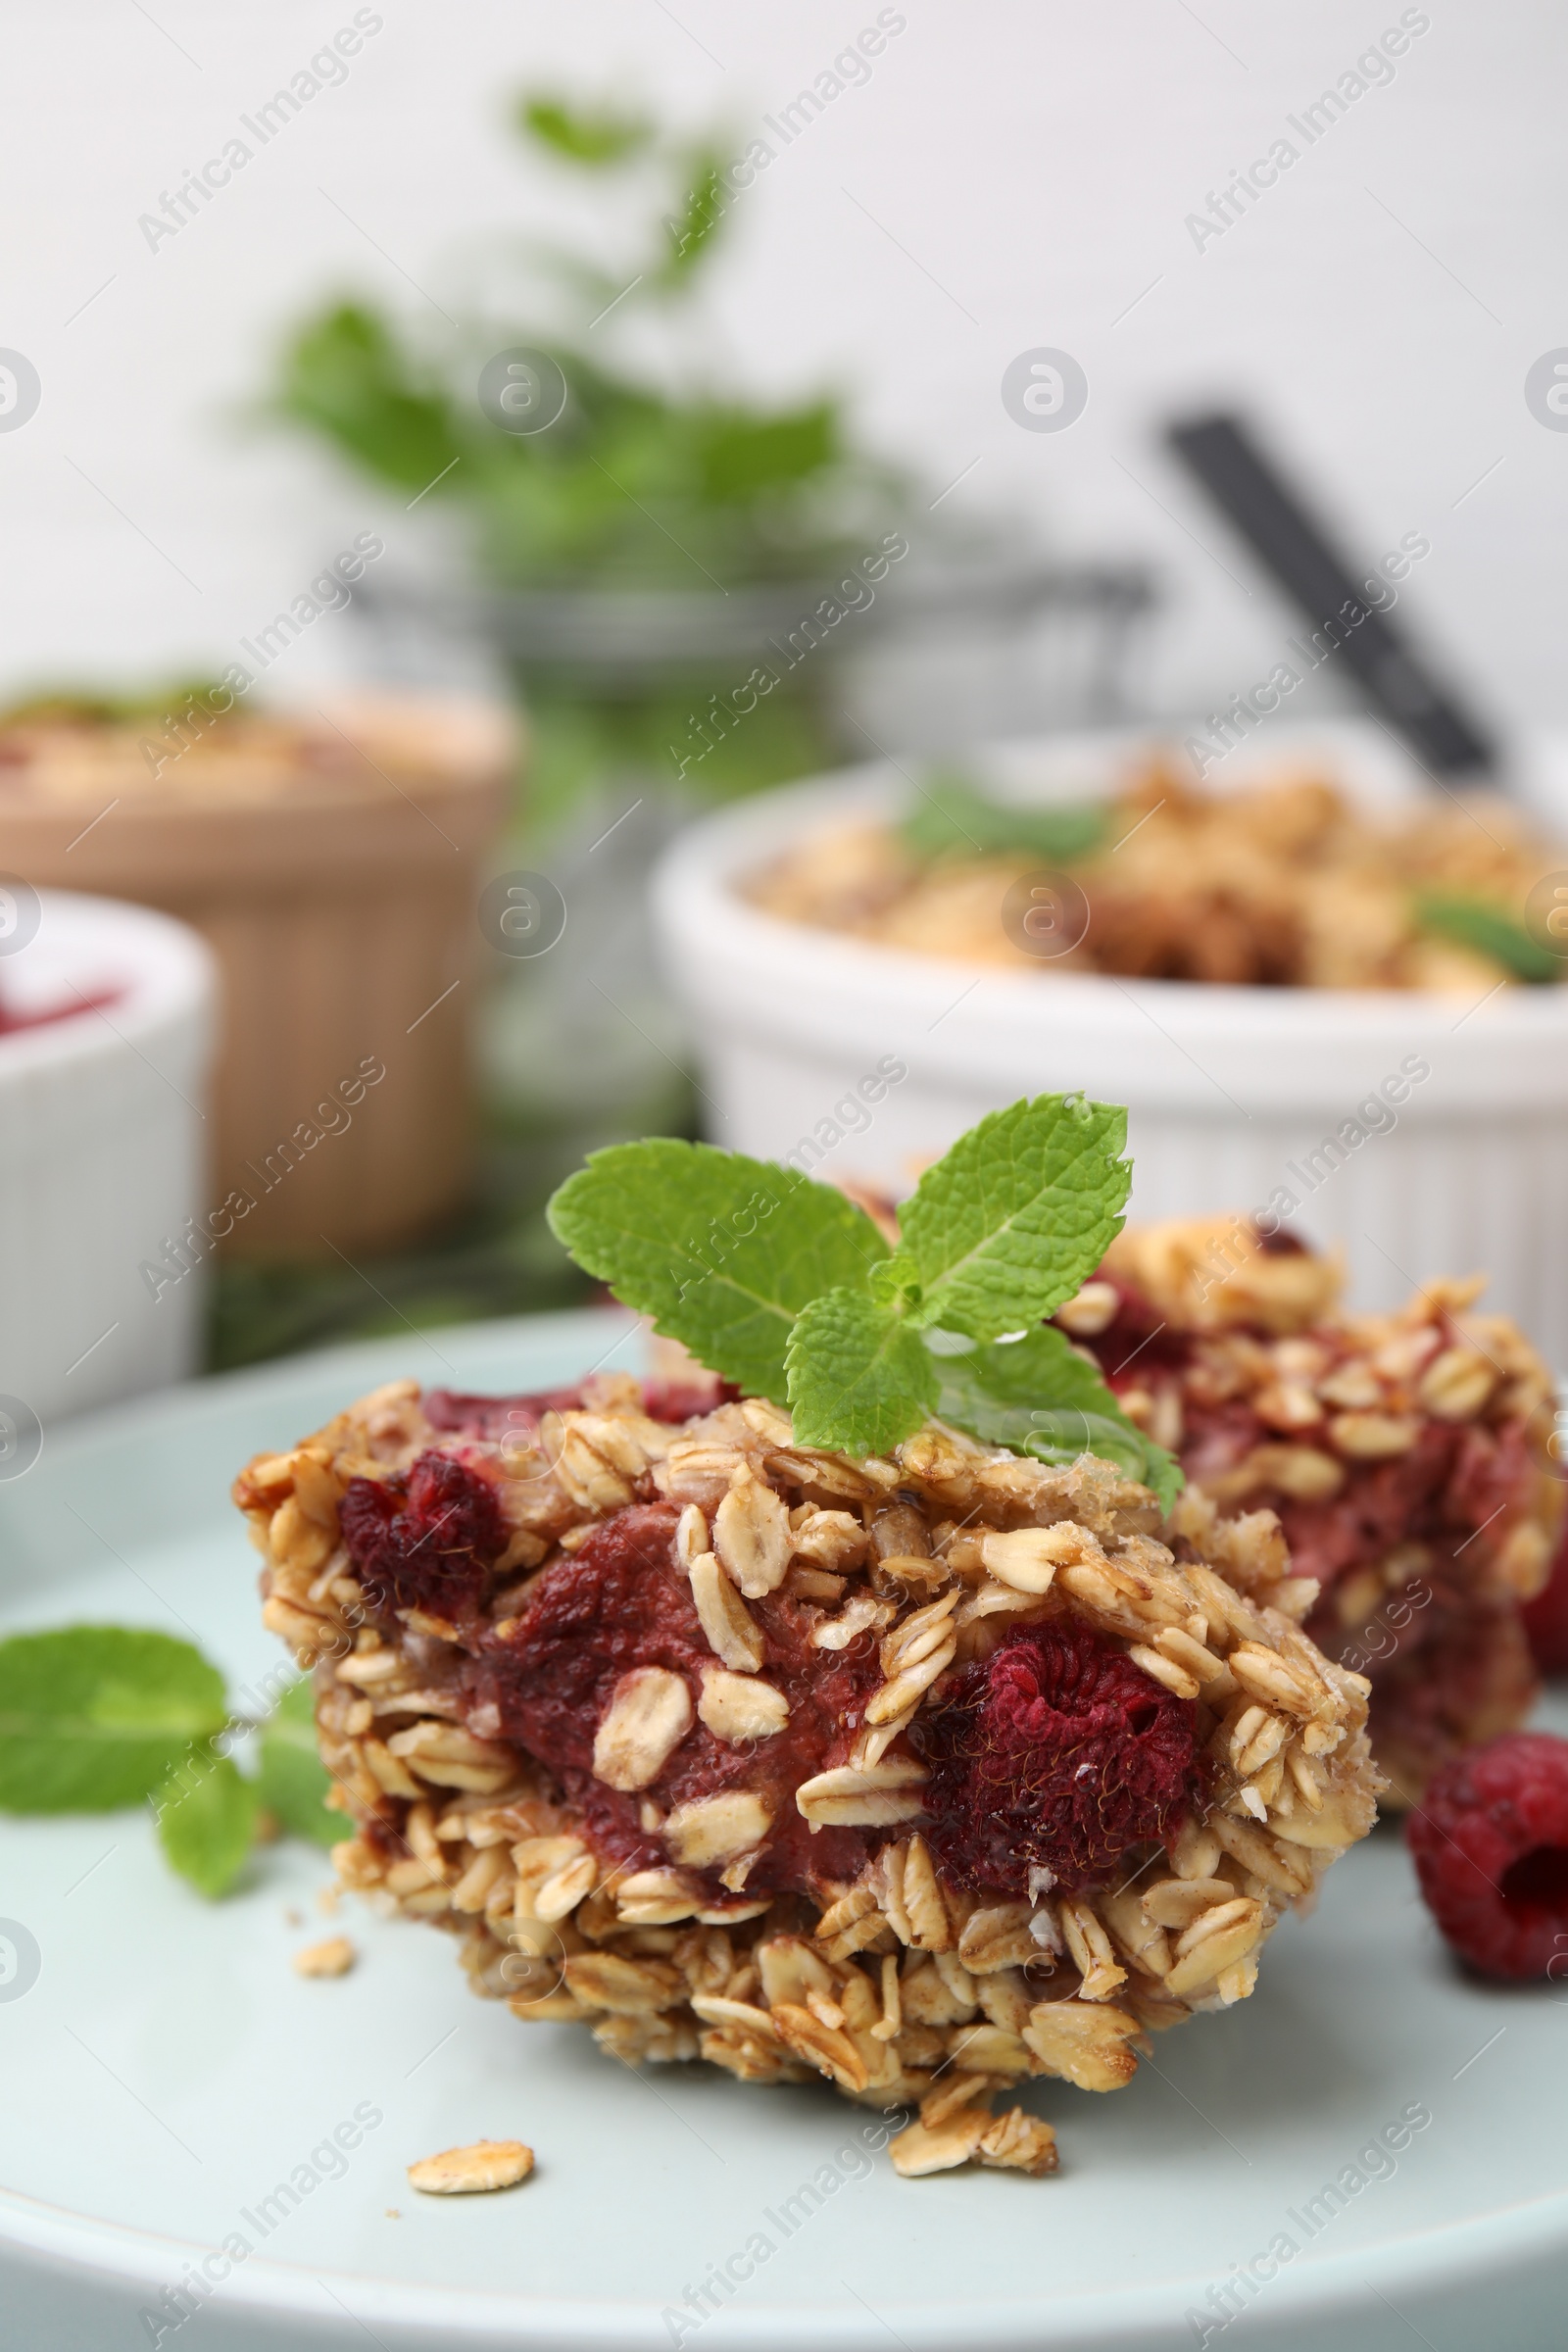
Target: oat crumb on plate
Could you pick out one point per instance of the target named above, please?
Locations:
(334, 1956)
(485, 2164)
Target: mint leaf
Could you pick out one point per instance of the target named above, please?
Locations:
(206, 1820)
(894, 1282)
(953, 819)
(689, 233)
(723, 1251)
(1017, 1215)
(1039, 1397)
(581, 134)
(1489, 930)
(859, 1377)
(293, 1780)
(95, 1716)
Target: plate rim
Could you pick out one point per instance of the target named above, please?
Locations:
(1420, 2261)
(75, 1432)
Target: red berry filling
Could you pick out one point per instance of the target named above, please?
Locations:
(426, 1543)
(454, 1412)
(1055, 1753)
(1491, 1848)
(546, 1677)
(589, 1619)
(13, 1023)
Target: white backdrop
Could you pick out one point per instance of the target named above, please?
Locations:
(1013, 173)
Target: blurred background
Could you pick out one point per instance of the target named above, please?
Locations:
(574, 364)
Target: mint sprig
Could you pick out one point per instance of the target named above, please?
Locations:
(97, 1717)
(782, 1286)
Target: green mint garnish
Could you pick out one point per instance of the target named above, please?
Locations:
(782, 1286)
(1038, 1395)
(720, 1251)
(1489, 930)
(860, 1377)
(96, 1716)
(953, 819)
(1019, 1214)
(207, 1821)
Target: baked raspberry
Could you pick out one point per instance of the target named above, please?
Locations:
(1491, 1848)
(547, 1677)
(1055, 1753)
(454, 1412)
(619, 1603)
(425, 1543)
(1547, 1617)
(684, 1400)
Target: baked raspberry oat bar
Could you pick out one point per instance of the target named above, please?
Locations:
(1406, 1456)
(929, 1766)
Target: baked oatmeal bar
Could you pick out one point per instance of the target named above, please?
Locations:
(928, 1771)
(1405, 1455)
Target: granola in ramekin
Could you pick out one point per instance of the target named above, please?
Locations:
(928, 1771)
(1404, 1454)
(1285, 884)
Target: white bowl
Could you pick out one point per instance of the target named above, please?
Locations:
(102, 1157)
(1231, 1092)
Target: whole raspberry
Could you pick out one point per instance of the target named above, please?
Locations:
(1055, 1753)
(1547, 1617)
(1491, 1847)
(435, 1550)
(452, 1509)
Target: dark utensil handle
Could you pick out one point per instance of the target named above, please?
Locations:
(1248, 488)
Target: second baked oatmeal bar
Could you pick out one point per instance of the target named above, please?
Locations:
(1405, 1455)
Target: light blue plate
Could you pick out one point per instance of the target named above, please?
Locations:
(167, 2071)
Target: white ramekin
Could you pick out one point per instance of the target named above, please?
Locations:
(103, 1151)
(1230, 1091)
